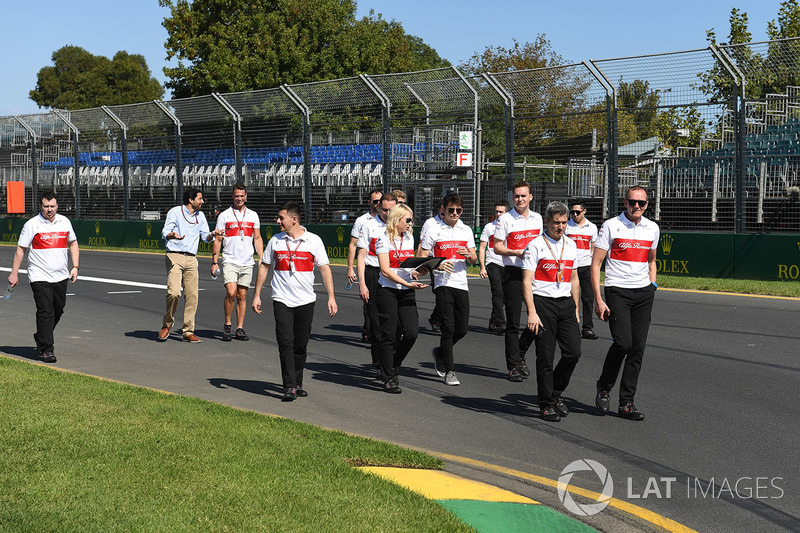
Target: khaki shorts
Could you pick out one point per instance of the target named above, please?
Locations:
(233, 273)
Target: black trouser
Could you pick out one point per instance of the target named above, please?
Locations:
(396, 306)
(495, 273)
(560, 326)
(453, 305)
(629, 323)
(587, 295)
(50, 299)
(373, 325)
(512, 291)
(292, 331)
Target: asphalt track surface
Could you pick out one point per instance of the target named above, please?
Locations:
(718, 387)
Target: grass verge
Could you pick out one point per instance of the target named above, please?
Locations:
(82, 454)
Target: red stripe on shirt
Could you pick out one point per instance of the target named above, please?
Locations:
(303, 261)
(632, 250)
(54, 239)
(448, 249)
(547, 270)
(583, 242)
(232, 229)
(518, 240)
(398, 256)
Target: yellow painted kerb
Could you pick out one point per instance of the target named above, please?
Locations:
(438, 485)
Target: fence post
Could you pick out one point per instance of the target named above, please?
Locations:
(125, 184)
(34, 160)
(508, 122)
(305, 111)
(386, 127)
(237, 133)
(75, 164)
(178, 149)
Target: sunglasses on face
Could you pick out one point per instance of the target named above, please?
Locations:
(576, 212)
(375, 202)
(637, 203)
(455, 210)
(409, 220)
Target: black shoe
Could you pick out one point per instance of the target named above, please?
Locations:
(438, 363)
(523, 368)
(549, 414)
(515, 375)
(602, 402)
(226, 333)
(630, 412)
(435, 326)
(392, 386)
(378, 375)
(589, 334)
(289, 394)
(561, 407)
(241, 335)
(300, 392)
(497, 329)
(48, 357)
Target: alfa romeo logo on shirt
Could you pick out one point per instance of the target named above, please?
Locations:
(585, 509)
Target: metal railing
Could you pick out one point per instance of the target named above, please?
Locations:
(713, 133)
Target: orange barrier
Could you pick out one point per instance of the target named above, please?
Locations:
(15, 197)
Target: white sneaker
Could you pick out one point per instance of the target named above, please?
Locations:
(451, 379)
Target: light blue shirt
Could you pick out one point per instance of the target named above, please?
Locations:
(191, 226)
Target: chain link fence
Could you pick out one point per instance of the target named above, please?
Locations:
(713, 134)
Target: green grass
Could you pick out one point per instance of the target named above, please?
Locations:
(82, 454)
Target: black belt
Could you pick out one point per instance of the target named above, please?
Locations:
(182, 253)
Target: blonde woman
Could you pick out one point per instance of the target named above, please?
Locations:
(396, 300)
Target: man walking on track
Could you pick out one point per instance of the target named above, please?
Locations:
(492, 267)
(551, 291)
(47, 237)
(514, 231)
(241, 240)
(453, 240)
(293, 253)
(352, 248)
(628, 243)
(584, 233)
(183, 229)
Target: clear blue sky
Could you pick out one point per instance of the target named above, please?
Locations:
(577, 30)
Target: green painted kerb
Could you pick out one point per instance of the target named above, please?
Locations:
(501, 517)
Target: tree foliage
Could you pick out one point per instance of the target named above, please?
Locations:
(233, 45)
(80, 80)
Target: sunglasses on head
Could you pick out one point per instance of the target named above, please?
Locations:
(637, 203)
(455, 210)
(409, 220)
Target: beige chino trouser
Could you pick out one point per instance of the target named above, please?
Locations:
(181, 271)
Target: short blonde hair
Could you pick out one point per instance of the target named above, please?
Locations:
(400, 195)
(395, 214)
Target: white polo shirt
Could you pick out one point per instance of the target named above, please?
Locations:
(240, 228)
(443, 240)
(545, 261)
(628, 246)
(398, 251)
(359, 223)
(487, 236)
(293, 263)
(371, 230)
(48, 245)
(583, 235)
(517, 231)
(426, 227)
